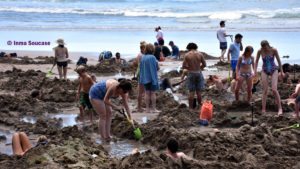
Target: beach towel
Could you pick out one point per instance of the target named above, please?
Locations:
(148, 70)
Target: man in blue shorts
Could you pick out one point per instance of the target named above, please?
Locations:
(221, 35)
(234, 53)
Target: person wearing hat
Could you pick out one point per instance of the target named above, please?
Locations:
(61, 57)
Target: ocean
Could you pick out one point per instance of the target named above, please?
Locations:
(119, 25)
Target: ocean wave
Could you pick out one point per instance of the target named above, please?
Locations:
(226, 15)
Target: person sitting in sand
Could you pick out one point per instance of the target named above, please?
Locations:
(85, 83)
(286, 68)
(100, 95)
(21, 143)
(194, 62)
(244, 68)
(220, 84)
(296, 95)
(61, 55)
(175, 51)
(141, 89)
(118, 60)
(149, 77)
(172, 150)
(269, 69)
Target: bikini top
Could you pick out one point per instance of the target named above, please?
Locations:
(246, 62)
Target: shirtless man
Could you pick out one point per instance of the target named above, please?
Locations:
(194, 62)
(85, 83)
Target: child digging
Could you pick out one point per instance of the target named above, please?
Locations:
(85, 83)
(296, 95)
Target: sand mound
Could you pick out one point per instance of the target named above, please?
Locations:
(103, 68)
(27, 60)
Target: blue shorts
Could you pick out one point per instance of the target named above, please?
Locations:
(195, 81)
(223, 45)
(98, 90)
(233, 64)
(151, 87)
(297, 99)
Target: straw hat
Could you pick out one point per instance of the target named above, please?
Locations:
(60, 41)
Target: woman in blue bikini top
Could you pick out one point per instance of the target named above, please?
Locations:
(269, 68)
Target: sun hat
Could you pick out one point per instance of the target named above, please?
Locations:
(60, 41)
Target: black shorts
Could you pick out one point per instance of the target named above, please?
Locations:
(223, 45)
(62, 64)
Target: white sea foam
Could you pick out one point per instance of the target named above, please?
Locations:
(226, 15)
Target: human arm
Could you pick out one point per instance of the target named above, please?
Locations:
(279, 61)
(256, 61)
(67, 53)
(228, 54)
(78, 90)
(125, 104)
(203, 62)
(297, 91)
(253, 65)
(185, 63)
(108, 94)
(238, 68)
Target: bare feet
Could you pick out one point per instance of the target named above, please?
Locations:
(155, 111)
(296, 116)
(280, 112)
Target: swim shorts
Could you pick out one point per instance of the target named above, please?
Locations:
(223, 45)
(98, 90)
(298, 99)
(85, 100)
(151, 87)
(233, 64)
(62, 64)
(195, 81)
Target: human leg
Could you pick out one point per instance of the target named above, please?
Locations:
(238, 87)
(59, 69)
(26, 145)
(264, 78)
(99, 107)
(108, 121)
(223, 51)
(141, 92)
(16, 145)
(65, 69)
(147, 100)
(275, 91)
(191, 99)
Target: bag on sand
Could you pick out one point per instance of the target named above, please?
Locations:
(206, 111)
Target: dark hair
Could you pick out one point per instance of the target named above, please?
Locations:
(286, 67)
(159, 28)
(125, 85)
(192, 46)
(155, 44)
(118, 54)
(161, 42)
(61, 46)
(248, 49)
(238, 36)
(172, 145)
(171, 43)
(222, 23)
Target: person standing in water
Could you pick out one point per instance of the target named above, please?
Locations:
(61, 57)
(234, 53)
(149, 77)
(100, 95)
(159, 35)
(244, 72)
(269, 69)
(194, 62)
(221, 35)
(141, 89)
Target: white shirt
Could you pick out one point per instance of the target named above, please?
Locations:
(159, 35)
(221, 34)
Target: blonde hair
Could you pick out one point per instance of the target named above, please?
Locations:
(143, 46)
(264, 43)
(42, 139)
(80, 69)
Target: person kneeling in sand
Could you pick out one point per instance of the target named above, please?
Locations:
(296, 95)
(21, 143)
(100, 95)
(172, 150)
(85, 83)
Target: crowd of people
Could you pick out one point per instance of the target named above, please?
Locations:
(96, 96)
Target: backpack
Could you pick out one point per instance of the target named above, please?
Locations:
(105, 55)
(206, 111)
(82, 61)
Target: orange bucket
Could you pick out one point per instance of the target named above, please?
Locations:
(206, 111)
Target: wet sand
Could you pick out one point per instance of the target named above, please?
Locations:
(230, 141)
